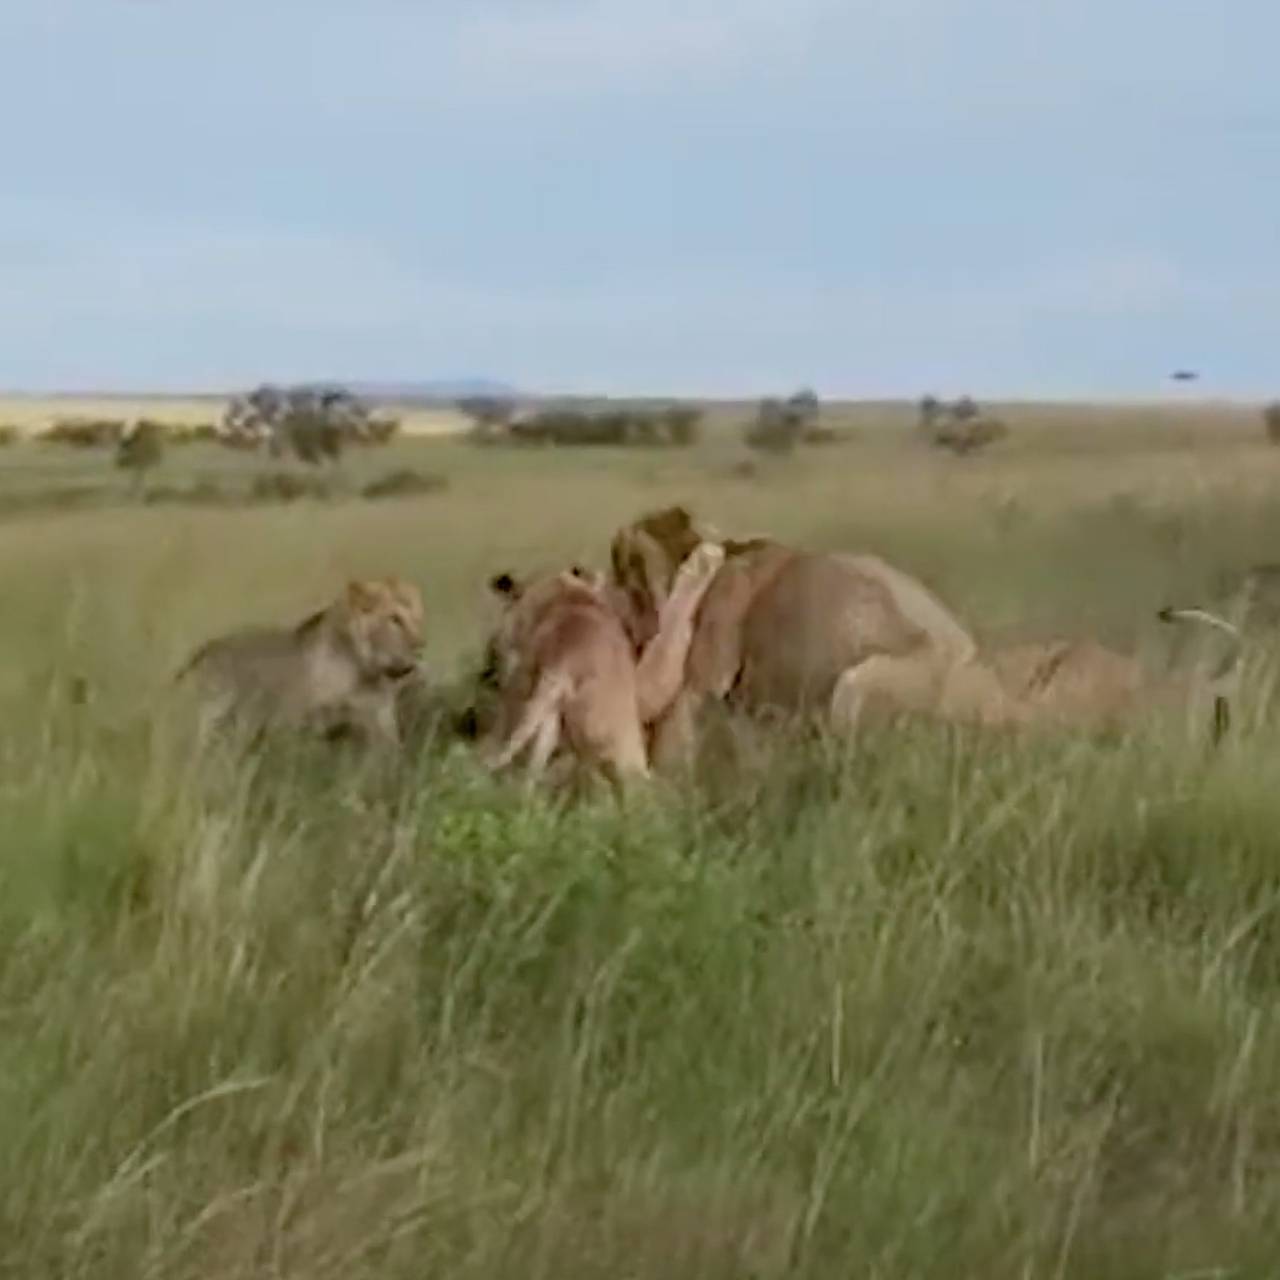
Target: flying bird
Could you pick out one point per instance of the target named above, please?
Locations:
(1184, 375)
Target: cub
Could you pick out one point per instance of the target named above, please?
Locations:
(336, 671)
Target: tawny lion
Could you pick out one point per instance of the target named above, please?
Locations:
(338, 669)
(567, 668)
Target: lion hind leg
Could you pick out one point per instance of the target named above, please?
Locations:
(539, 723)
(966, 692)
(625, 763)
(883, 684)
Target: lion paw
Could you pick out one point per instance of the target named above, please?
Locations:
(703, 561)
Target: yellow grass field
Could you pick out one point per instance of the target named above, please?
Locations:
(931, 1004)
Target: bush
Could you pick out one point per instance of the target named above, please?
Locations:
(968, 435)
(286, 486)
(85, 433)
(200, 433)
(960, 427)
(1271, 421)
(777, 428)
(821, 435)
(683, 423)
(672, 426)
(405, 483)
(203, 493)
(780, 425)
(488, 411)
(9, 435)
(379, 431)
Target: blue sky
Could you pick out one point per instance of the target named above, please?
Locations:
(1039, 197)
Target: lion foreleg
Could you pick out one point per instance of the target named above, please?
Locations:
(660, 671)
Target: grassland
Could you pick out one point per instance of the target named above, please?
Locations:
(938, 1006)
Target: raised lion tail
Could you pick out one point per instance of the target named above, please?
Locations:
(1204, 617)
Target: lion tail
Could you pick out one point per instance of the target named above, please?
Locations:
(1194, 613)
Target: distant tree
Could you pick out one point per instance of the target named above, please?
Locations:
(805, 405)
(778, 427)
(314, 424)
(490, 415)
(960, 427)
(313, 427)
(1271, 420)
(253, 419)
(929, 409)
(140, 451)
(683, 423)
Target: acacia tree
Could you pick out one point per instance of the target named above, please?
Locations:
(805, 406)
(929, 409)
(140, 451)
(960, 426)
(490, 415)
(777, 427)
(313, 424)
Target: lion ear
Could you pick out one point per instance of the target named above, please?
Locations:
(363, 597)
(503, 584)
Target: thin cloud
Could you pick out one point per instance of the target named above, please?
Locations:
(601, 42)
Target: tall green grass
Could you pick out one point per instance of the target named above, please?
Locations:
(936, 1004)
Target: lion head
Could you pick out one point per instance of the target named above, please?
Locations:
(382, 619)
(644, 558)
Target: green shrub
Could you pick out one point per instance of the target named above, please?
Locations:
(287, 486)
(405, 483)
(960, 427)
(617, 425)
(85, 433)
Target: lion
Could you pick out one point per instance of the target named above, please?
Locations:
(780, 627)
(566, 664)
(338, 670)
(1085, 684)
(1079, 684)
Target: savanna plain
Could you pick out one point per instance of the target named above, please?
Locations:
(937, 1003)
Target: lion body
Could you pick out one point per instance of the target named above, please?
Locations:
(567, 669)
(338, 670)
(780, 628)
